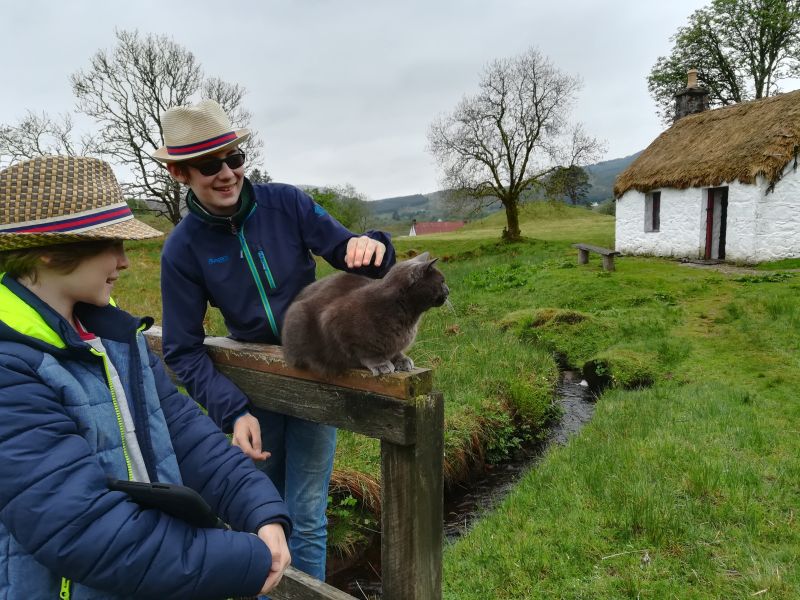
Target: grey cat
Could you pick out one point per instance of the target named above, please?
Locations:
(347, 321)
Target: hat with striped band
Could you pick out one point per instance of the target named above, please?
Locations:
(62, 199)
(192, 131)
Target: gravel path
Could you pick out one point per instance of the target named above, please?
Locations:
(732, 269)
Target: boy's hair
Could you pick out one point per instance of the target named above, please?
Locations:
(64, 258)
(182, 167)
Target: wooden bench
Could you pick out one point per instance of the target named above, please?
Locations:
(404, 412)
(607, 254)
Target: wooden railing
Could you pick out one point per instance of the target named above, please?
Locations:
(403, 412)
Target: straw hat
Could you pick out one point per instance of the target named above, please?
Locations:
(61, 199)
(192, 131)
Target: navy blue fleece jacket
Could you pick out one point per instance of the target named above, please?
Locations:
(250, 267)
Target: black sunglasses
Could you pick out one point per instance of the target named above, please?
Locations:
(212, 166)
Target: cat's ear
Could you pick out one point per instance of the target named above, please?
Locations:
(421, 269)
(420, 258)
(430, 263)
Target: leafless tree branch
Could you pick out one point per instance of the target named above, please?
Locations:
(507, 137)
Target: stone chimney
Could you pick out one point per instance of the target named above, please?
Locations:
(693, 99)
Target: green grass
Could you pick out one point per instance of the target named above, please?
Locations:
(786, 263)
(698, 471)
(696, 475)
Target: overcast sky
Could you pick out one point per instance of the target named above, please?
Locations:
(344, 91)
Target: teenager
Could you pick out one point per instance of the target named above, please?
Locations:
(83, 402)
(247, 250)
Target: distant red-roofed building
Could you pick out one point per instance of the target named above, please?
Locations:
(428, 227)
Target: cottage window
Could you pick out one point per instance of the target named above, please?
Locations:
(652, 211)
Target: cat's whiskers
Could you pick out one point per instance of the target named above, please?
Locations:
(449, 304)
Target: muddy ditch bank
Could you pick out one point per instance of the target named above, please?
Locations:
(466, 502)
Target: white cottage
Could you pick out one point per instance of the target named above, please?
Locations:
(719, 184)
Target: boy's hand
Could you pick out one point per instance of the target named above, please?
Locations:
(360, 251)
(275, 539)
(247, 436)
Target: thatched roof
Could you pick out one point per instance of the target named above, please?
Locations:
(715, 146)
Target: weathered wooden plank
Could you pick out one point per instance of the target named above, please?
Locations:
(296, 585)
(370, 414)
(265, 358)
(597, 249)
(412, 509)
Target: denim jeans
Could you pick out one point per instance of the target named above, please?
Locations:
(300, 467)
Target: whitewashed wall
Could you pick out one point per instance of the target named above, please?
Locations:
(760, 226)
(740, 230)
(778, 224)
(678, 234)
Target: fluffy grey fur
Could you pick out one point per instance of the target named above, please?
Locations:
(347, 321)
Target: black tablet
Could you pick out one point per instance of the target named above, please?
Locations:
(176, 500)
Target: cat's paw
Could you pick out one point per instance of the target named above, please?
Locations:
(383, 368)
(403, 363)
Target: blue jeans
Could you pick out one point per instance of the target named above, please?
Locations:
(300, 467)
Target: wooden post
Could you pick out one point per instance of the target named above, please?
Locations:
(583, 256)
(608, 262)
(412, 508)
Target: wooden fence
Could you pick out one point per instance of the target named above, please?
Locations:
(403, 412)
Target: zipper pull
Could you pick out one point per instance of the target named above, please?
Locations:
(64, 591)
(234, 229)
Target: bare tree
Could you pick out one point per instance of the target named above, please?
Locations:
(39, 135)
(510, 135)
(127, 89)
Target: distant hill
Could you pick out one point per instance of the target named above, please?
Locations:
(603, 174)
(423, 207)
(431, 207)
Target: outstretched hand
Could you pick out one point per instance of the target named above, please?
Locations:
(247, 436)
(361, 250)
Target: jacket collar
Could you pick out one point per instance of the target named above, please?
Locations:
(234, 222)
(26, 318)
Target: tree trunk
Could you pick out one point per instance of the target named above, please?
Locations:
(175, 204)
(512, 233)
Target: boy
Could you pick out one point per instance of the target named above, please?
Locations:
(82, 401)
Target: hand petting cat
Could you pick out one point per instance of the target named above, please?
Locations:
(360, 251)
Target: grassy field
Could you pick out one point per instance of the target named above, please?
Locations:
(686, 488)
(685, 484)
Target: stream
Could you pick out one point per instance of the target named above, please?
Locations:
(466, 502)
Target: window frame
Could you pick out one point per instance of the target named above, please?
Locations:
(652, 212)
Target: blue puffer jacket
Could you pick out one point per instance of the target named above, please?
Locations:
(63, 534)
(250, 266)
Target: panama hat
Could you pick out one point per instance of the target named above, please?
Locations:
(62, 199)
(192, 131)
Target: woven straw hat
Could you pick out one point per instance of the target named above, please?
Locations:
(61, 199)
(192, 131)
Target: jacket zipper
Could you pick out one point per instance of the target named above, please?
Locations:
(265, 266)
(120, 423)
(64, 593)
(259, 284)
